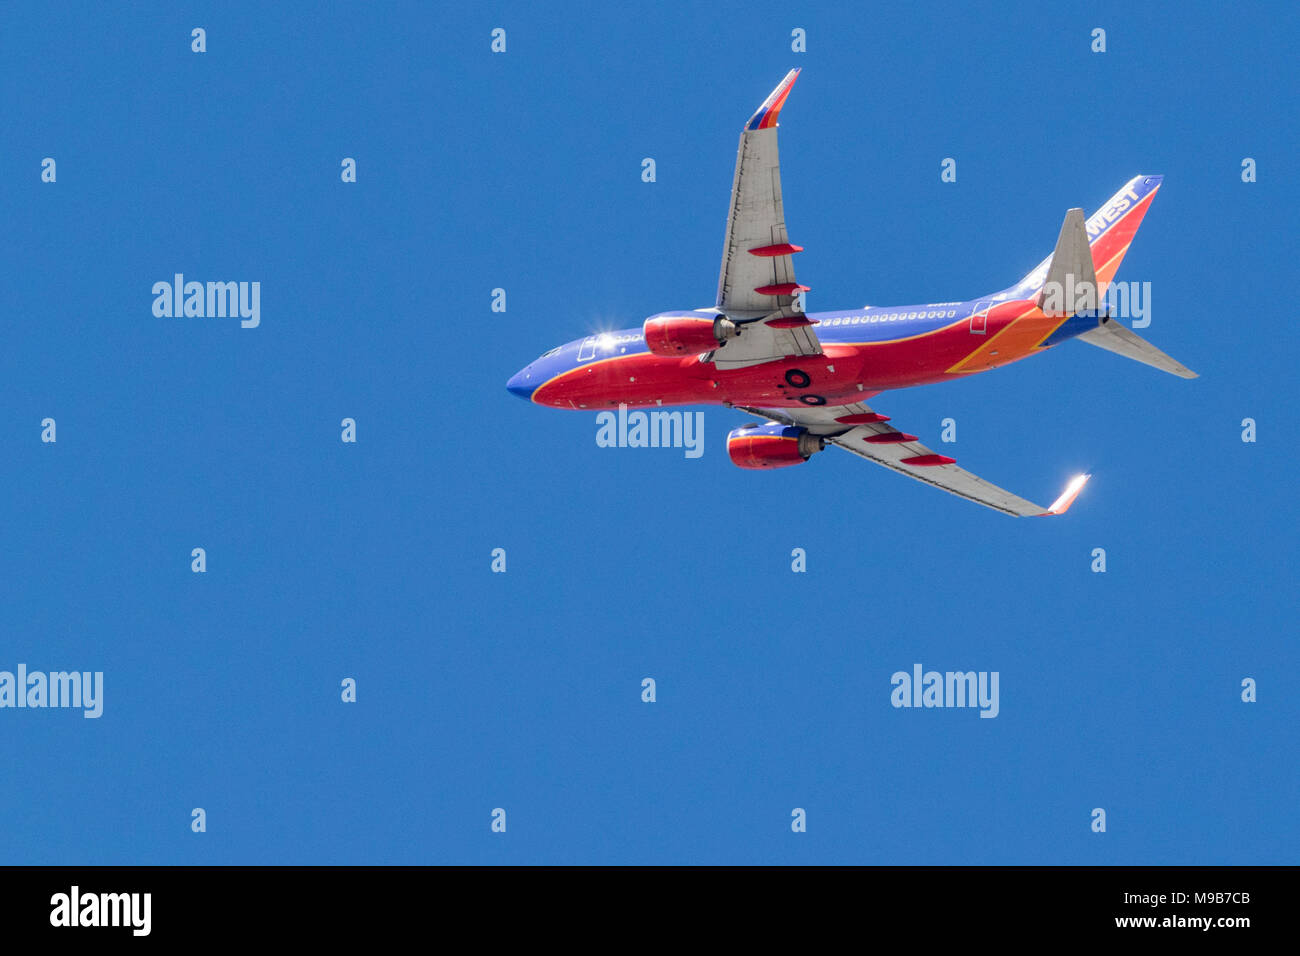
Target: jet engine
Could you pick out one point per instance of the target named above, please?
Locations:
(772, 445)
(686, 334)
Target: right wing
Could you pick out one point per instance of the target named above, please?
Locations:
(858, 429)
(756, 285)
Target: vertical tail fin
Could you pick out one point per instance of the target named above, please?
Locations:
(1112, 228)
(1110, 232)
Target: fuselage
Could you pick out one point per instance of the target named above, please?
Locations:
(865, 351)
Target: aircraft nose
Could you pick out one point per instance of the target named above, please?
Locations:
(522, 383)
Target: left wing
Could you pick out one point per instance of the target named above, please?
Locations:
(756, 286)
(858, 429)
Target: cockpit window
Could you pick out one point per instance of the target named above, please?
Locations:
(551, 352)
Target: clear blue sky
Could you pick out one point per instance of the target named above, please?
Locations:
(522, 690)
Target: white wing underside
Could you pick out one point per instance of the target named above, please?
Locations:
(949, 477)
(755, 220)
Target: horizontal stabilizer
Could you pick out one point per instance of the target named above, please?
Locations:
(1071, 283)
(1113, 337)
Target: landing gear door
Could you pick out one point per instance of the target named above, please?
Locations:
(979, 319)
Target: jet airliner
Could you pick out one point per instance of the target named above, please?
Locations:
(810, 374)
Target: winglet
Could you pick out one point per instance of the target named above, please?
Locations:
(766, 116)
(1062, 504)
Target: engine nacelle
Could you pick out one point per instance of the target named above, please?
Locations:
(686, 334)
(772, 445)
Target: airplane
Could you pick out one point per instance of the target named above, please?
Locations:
(809, 374)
